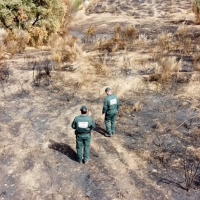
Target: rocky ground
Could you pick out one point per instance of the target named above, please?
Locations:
(155, 152)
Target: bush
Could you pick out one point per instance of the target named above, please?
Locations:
(65, 49)
(76, 4)
(44, 16)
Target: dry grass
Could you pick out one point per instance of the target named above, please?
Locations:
(123, 38)
(138, 106)
(65, 50)
(169, 64)
(56, 56)
(14, 42)
(128, 33)
(112, 45)
(90, 34)
(130, 109)
(196, 10)
(164, 69)
(12, 47)
(100, 66)
(177, 67)
(164, 41)
(142, 41)
(22, 39)
(4, 72)
(196, 62)
(38, 36)
(184, 36)
(183, 31)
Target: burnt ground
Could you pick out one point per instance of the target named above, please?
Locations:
(155, 152)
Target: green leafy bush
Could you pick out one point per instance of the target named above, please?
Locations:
(34, 16)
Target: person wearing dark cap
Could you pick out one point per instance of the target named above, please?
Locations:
(110, 109)
(83, 126)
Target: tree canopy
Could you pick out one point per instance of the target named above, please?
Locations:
(25, 14)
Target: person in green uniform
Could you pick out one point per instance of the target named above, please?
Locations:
(110, 109)
(83, 126)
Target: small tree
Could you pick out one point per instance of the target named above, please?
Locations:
(34, 16)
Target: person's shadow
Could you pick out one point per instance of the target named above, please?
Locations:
(100, 130)
(63, 148)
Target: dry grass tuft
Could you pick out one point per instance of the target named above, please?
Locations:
(12, 47)
(138, 106)
(4, 72)
(196, 62)
(65, 50)
(177, 67)
(101, 68)
(128, 33)
(183, 31)
(112, 45)
(56, 56)
(38, 36)
(123, 37)
(90, 34)
(196, 135)
(14, 42)
(184, 36)
(154, 77)
(164, 41)
(196, 10)
(197, 67)
(2, 49)
(142, 41)
(22, 39)
(169, 64)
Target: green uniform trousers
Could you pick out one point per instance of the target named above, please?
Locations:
(83, 143)
(110, 123)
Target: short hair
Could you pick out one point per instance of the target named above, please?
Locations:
(83, 111)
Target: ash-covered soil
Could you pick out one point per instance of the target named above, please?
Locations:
(155, 152)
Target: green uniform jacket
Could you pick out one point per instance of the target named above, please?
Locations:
(83, 124)
(111, 105)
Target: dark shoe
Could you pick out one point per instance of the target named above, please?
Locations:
(79, 161)
(108, 135)
(85, 162)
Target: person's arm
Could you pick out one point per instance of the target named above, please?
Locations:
(105, 107)
(93, 124)
(118, 104)
(74, 124)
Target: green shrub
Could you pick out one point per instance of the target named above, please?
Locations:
(33, 16)
(76, 4)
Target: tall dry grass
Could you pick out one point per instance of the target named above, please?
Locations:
(196, 10)
(196, 62)
(169, 65)
(164, 41)
(64, 49)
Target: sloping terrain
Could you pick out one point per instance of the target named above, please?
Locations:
(155, 152)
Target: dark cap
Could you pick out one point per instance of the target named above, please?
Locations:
(107, 89)
(83, 108)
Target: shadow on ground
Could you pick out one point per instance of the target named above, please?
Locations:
(63, 148)
(100, 130)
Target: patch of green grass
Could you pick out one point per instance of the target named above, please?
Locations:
(76, 4)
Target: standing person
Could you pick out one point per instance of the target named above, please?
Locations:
(83, 126)
(110, 108)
